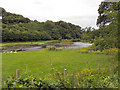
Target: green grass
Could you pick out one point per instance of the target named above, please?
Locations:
(38, 63)
(25, 43)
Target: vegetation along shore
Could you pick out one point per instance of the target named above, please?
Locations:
(60, 54)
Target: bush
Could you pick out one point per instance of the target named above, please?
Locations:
(27, 81)
(52, 48)
(111, 51)
(83, 79)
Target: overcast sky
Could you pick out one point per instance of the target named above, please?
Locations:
(79, 12)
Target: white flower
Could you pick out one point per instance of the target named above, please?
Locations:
(65, 69)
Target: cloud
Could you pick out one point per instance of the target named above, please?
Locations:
(37, 2)
(83, 21)
(42, 10)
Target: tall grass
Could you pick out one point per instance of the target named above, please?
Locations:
(83, 79)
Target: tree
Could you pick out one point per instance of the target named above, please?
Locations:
(18, 28)
(108, 25)
(104, 10)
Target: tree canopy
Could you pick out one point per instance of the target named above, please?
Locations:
(18, 28)
(108, 21)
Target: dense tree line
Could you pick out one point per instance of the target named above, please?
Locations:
(18, 28)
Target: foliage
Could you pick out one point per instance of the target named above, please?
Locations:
(111, 51)
(108, 26)
(105, 77)
(18, 28)
(53, 48)
(106, 9)
(27, 81)
(83, 79)
(75, 40)
(8, 18)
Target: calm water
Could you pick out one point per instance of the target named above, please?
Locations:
(77, 45)
(37, 47)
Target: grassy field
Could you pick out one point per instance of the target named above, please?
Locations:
(25, 43)
(42, 62)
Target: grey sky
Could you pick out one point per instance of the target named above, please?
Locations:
(79, 12)
(111, 0)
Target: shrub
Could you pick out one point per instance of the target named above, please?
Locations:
(111, 51)
(82, 79)
(52, 48)
(27, 81)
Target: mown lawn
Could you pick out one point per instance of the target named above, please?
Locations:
(42, 62)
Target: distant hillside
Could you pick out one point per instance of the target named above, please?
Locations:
(18, 28)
